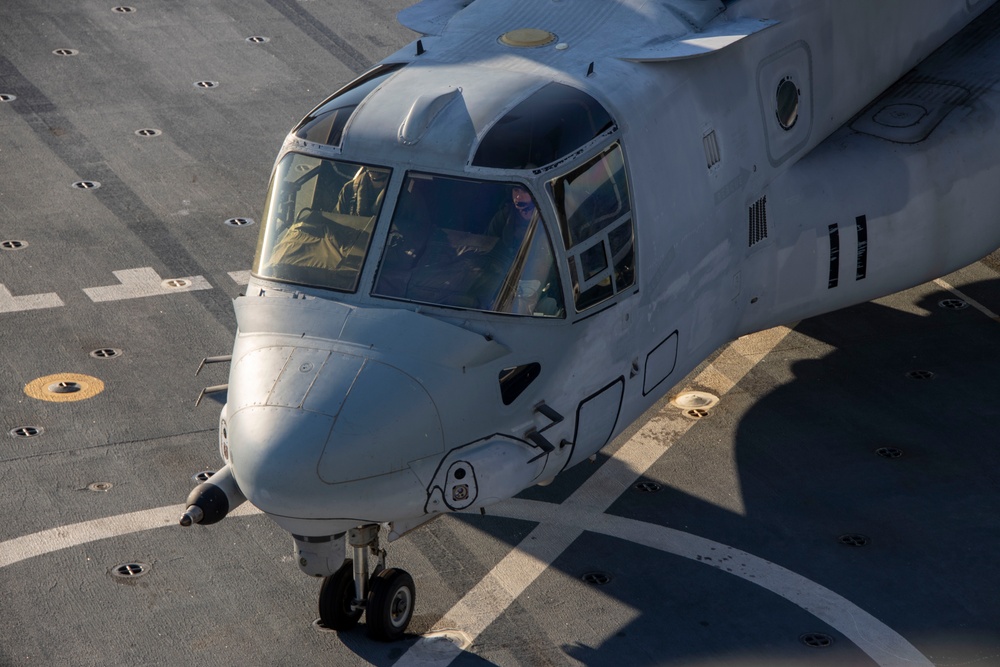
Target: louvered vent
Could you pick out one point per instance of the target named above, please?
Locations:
(712, 156)
(758, 221)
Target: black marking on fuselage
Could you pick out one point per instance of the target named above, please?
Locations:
(834, 256)
(862, 223)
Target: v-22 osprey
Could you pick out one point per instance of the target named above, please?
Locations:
(485, 257)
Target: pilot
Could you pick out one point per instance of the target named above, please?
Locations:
(511, 222)
(521, 262)
(363, 194)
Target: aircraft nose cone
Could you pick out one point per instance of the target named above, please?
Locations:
(318, 432)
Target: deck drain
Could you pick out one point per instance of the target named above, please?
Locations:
(889, 452)
(816, 640)
(854, 540)
(123, 10)
(26, 431)
(149, 132)
(176, 283)
(13, 245)
(100, 486)
(129, 571)
(920, 375)
(647, 487)
(7, 97)
(206, 84)
(86, 185)
(696, 413)
(596, 578)
(953, 304)
(239, 222)
(203, 476)
(258, 39)
(66, 52)
(106, 353)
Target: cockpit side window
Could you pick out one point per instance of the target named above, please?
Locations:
(325, 124)
(595, 217)
(548, 125)
(320, 215)
(470, 244)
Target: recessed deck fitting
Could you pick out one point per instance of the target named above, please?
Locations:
(889, 452)
(596, 578)
(695, 400)
(86, 185)
(64, 387)
(26, 431)
(239, 222)
(816, 640)
(106, 353)
(7, 97)
(854, 540)
(953, 304)
(66, 52)
(130, 571)
(149, 132)
(13, 245)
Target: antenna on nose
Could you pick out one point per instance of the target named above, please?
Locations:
(420, 47)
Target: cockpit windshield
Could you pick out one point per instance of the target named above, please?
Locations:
(320, 215)
(470, 244)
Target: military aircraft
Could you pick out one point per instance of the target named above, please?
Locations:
(488, 255)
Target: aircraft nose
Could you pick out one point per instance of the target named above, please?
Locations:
(315, 432)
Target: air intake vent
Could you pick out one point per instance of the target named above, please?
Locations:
(712, 156)
(758, 221)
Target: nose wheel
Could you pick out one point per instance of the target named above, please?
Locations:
(387, 597)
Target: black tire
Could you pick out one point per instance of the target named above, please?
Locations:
(335, 597)
(390, 604)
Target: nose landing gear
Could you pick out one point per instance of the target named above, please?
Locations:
(386, 597)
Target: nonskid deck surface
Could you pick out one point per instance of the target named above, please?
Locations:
(838, 506)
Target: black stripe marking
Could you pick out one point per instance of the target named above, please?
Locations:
(834, 256)
(862, 222)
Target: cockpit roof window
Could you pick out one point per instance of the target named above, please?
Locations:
(325, 124)
(548, 125)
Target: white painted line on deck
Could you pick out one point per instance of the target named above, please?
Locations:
(13, 304)
(143, 282)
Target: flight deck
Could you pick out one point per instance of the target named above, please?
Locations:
(838, 504)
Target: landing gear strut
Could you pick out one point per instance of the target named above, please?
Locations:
(386, 597)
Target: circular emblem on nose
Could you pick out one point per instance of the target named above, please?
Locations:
(306, 367)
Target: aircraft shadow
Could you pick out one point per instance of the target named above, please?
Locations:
(845, 445)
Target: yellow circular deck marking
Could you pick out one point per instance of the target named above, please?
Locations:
(88, 387)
